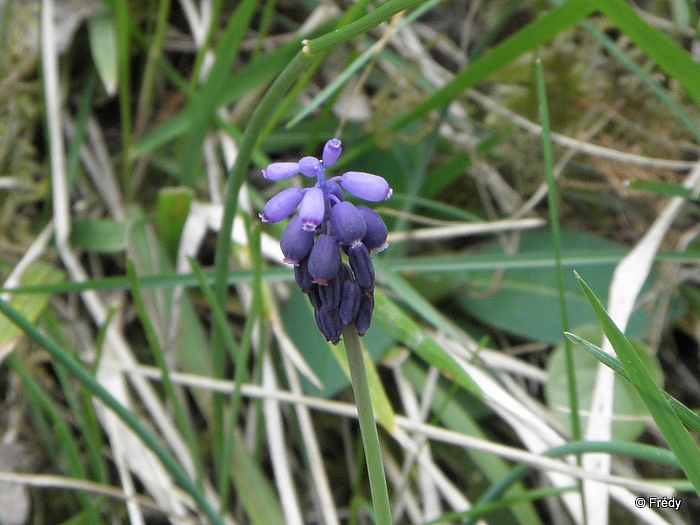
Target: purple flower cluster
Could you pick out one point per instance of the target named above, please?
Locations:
(326, 226)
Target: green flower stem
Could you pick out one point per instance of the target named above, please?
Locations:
(368, 427)
(90, 383)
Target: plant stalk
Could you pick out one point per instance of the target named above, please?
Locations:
(368, 427)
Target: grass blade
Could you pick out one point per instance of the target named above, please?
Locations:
(668, 422)
(690, 418)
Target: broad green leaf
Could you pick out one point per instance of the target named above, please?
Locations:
(524, 301)
(171, 213)
(629, 412)
(664, 188)
(30, 305)
(103, 46)
(678, 438)
(99, 235)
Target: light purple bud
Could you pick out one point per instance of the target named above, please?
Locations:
(348, 223)
(280, 170)
(335, 191)
(324, 259)
(331, 152)
(309, 166)
(282, 205)
(375, 237)
(312, 209)
(296, 242)
(365, 185)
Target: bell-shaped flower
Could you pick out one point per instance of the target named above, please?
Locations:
(324, 259)
(349, 302)
(312, 209)
(348, 223)
(376, 233)
(328, 322)
(303, 277)
(330, 293)
(361, 265)
(331, 152)
(280, 170)
(310, 166)
(296, 242)
(282, 205)
(365, 185)
(364, 314)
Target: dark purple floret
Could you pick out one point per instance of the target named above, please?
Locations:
(303, 277)
(328, 322)
(296, 242)
(364, 314)
(361, 265)
(348, 223)
(376, 234)
(324, 259)
(330, 293)
(349, 302)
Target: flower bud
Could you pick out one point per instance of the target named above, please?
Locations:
(324, 259)
(375, 236)
(330, 293)
(280, 170)
(365, 186)
(329, 324)
(364, 314)
(349, 302)
(361, 265)
(331, 152)
(309, 166)
(303, 277)
(282, 205)
(348, 223)
(312, 209)
(296, 242)
(335, 192)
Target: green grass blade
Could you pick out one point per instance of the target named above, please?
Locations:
(401, 326)
(660, 47)
(66, 360)
(690, 418)
(552, 201)
(537, 32)
(205, 103)
(668, 422)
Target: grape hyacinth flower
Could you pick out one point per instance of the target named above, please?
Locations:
(325, 227)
